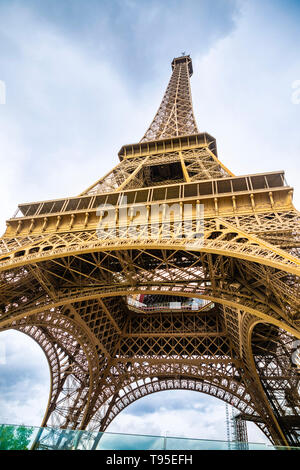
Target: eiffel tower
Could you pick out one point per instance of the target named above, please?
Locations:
(128, 296)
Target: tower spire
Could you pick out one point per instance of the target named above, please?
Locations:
(175, 116)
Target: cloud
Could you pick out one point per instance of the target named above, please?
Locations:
(242, 90)
(24, 380)
(135, 34)
(178, 413)
(61, 124)
(82, 80)
(177, 420)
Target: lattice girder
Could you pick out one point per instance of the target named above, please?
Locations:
(217, 236)
(74, 364)
(271, 294)
(220, 379)
(175, 115)
(169, 220)
(170, 384)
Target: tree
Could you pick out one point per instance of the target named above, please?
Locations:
(15, 437)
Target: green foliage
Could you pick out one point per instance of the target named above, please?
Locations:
(15, 437)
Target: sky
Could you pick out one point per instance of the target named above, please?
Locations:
(84, 78)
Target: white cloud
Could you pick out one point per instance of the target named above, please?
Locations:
(24, 380)
(190, 415)
(25, 386)
(242, 92)
(67, 115)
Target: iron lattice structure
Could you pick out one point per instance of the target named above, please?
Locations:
(129, 313)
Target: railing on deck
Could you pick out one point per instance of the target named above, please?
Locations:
(19, 437)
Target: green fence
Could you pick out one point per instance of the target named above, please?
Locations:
(16, 437)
